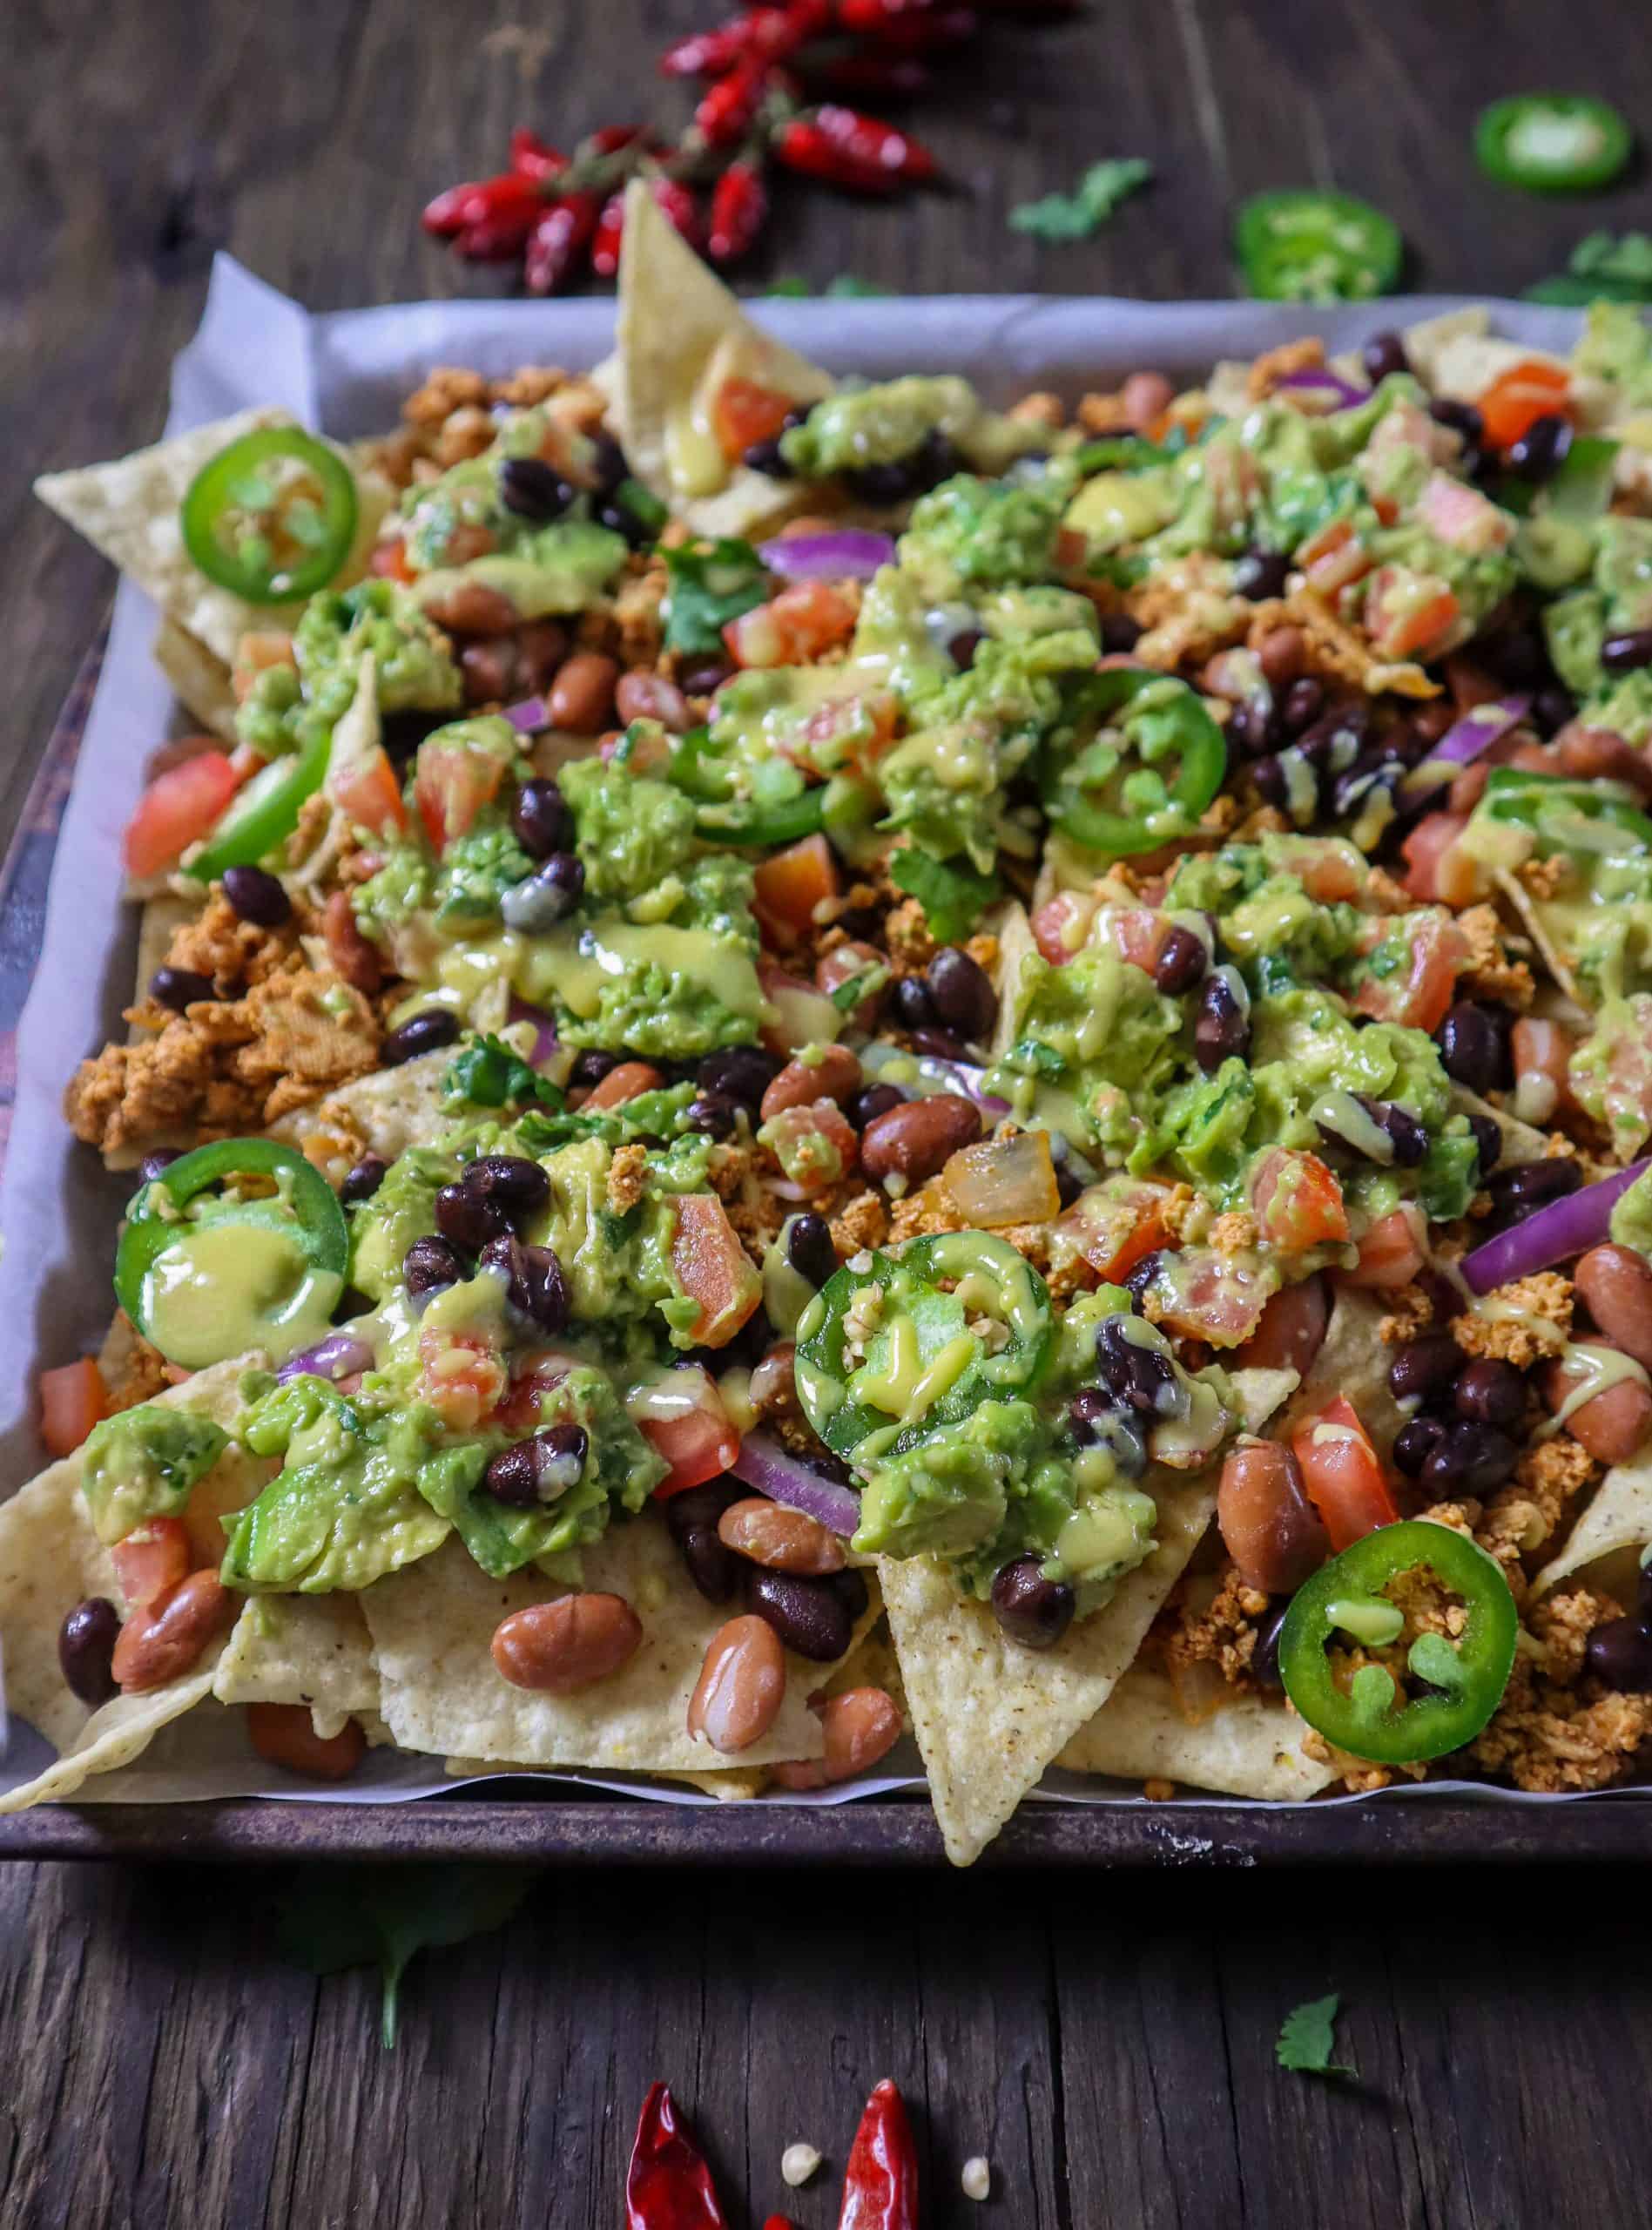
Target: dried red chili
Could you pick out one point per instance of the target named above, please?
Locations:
(532, 157)
(739, 208)
(805, 145)
(609, 234)
(668, 2186)
(558, 240)
(680, 207)
(483, 201)
(880, 2184)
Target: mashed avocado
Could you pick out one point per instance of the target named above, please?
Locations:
(144, 1462)
(1618, 600)
(632, 832)
(1632, 1217)
(855, 427)
(413, 668)
(1097, 1031)
(982, 534)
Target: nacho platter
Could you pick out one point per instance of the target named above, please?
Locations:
(959, 1664)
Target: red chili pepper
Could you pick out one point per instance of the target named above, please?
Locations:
(707, 54)
(611, 138)
(880, 2184)
(605, 241)
(779, 2222)
(918, 33)
(668, 2186)
(532, 157)
(680, 207)
(739, 210)
(861, 153)
(481, 201)
(888, 76)
(559, 238)
(726, 109)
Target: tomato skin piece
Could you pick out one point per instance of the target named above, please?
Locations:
(788, 887)
(369, 793)
(1390, 1255)
(153, 1559)
(1341, 1471)
(1517, 398)
(713, 1269)
(462, 1397)
(179, 807)
(744, 412)
(699, 1443)
(450, 787)
(1439, 952)
(1424, 852)
(73, 1398)
(792, 628)
(1296, 1201)
(1061, 925)
(1116, 1224)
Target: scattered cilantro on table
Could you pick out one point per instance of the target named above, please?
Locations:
(1075, 216)
(951, 892)
(334, 1917)
(1306, 2042)
(1601, 269)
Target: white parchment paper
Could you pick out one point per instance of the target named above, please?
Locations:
(347, 373)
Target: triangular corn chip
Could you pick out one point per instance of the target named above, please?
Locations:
(1251, 1747)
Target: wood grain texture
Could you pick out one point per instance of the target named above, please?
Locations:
(1107, 2040)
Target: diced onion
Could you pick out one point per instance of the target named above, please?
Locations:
(531, 714)
(1551, 1235)
(1479, 728)
(335, 1357)
(1320, 380)
(546, 1039)
(763, 1464)
(846, 554)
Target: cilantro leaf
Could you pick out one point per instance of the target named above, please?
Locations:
(336, 1917)
(1075, 216)
(1306, 2040)
(711, 583)
(951, 892)
(487, 1074)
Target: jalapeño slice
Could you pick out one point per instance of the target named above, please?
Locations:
(238, 1245)
(273, 517)
(1596, 817)
(886, 1355)
(1133, 764)
(1458, 1681)
(1552, 142)
(266, 812)
(1303, 244)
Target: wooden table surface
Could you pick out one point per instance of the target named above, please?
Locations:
(1106, 2042)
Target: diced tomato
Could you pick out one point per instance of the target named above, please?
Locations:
(1328, 868)
(1138, 933)
(1072, 547)
(794, 627)
(693, 1433)
(1460, 516)
(1115, 1224)
(1341, 1471)
(1334, 557)
(1618, 1090)
(389, 560)
(452, 783)
(1406, 612)
(789, 887)
(73, 1400)
(743, 413)
(815, 1145)
(1525, 393)
(259, 649)
(1061, 925)
(533, 1374)
(1419, 995)
(460, 1376)
(152, 1560)
(797, 1015)
(1296, 1201)
(850, 731)
(1292, 1329)
(1390, 1254)
(177, 808)
(713, 1269)
(368, 792)
(1430, 873)
(1211, 1296)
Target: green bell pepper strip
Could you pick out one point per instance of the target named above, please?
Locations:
(235, 513)
(266, 812)
(1464, 1678)
(935, 1323)
(169, 1209)
(1301, 245)
(1546, 803)
(1169, 721)
(1552, 142)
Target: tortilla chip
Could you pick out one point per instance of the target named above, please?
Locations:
(301, 1649)
(129, 509)
(1545, 926)
(51, 1559)
(1251, 1747)
(200, 681)
(1521, 1141)
(432, 1624)
(1618, 1517)
(392, 1109)
(1351, 1362)
(674, 315)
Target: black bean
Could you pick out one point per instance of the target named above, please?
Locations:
(511, 1180)
(1473, 1046)
(534, 1285)
(939, 1045)
(1137, 1377)
(713, 1116)
(1425, 1369)
(179, 988)
(1087, 1414)
(1276, 788)
(809, 1248)
(1260, 573)
(1069, 1184)
(698, 1508)
(704, 677)
(880, 485)
(1249, 729)
(742, 1073)
(871, 1101)
(1541, 449)
(1471, 1459)
(1415, 1443)
(364, 1180)
(1383, 355)
(712, 1565)
(1120, 633)
(469, 1219)
(936, 458)
(421, 1033)
(1221, 1029)
(810, 1616)
(766, 457)
(590, 1067)
(429, 1263)
(548, 896)
(961, 648)
(257, 897)
(1626, 653)
(1619, 1653)
(1488, 1141)
(542, 818)
(1461, 417)
(1182, 961)
(1264, 1658)
(850, 1588)
(529, 487)
(1303, 702)
(608, 463)
(910, 1003)
(539, 1469)
(87, 1648)
(620, 519)
(1032, 1610)
(1142, 1277)
(961, 993)
(152, 1164)
(1552, 708)
(1490, 1392)
(1517, 1192)
(1404, 1132)
(1518, 656)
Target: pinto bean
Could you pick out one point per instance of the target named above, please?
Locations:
(162, 1640)
(650, 697)
(1542, 1053)
(1593, 753)
(1280, 655)
(543, 646)
(1617, 1283)
(741, 1688)
(916, 1139)
(1613, 1425)
(285, 1734)
(490, 669)
(834, 1075)
(625, 1082)
(557, 1647)
(1145, 396)
(581, 701)
(471, 608)
(351, 953)
(779, 1538)
(841, 966)
(861, 1726)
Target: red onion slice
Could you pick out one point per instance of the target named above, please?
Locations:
(1479, 728)
(850, 553)
(337, 1357)
(763, 1464)
(1552, 1234)
(1319, 379)
(532, 713)
(545, 1038)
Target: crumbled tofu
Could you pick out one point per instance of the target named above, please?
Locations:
(625, 1174)
(1491, 973)
(1234, 1232)
(1520, 1322)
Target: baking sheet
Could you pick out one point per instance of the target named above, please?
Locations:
(347, 373)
